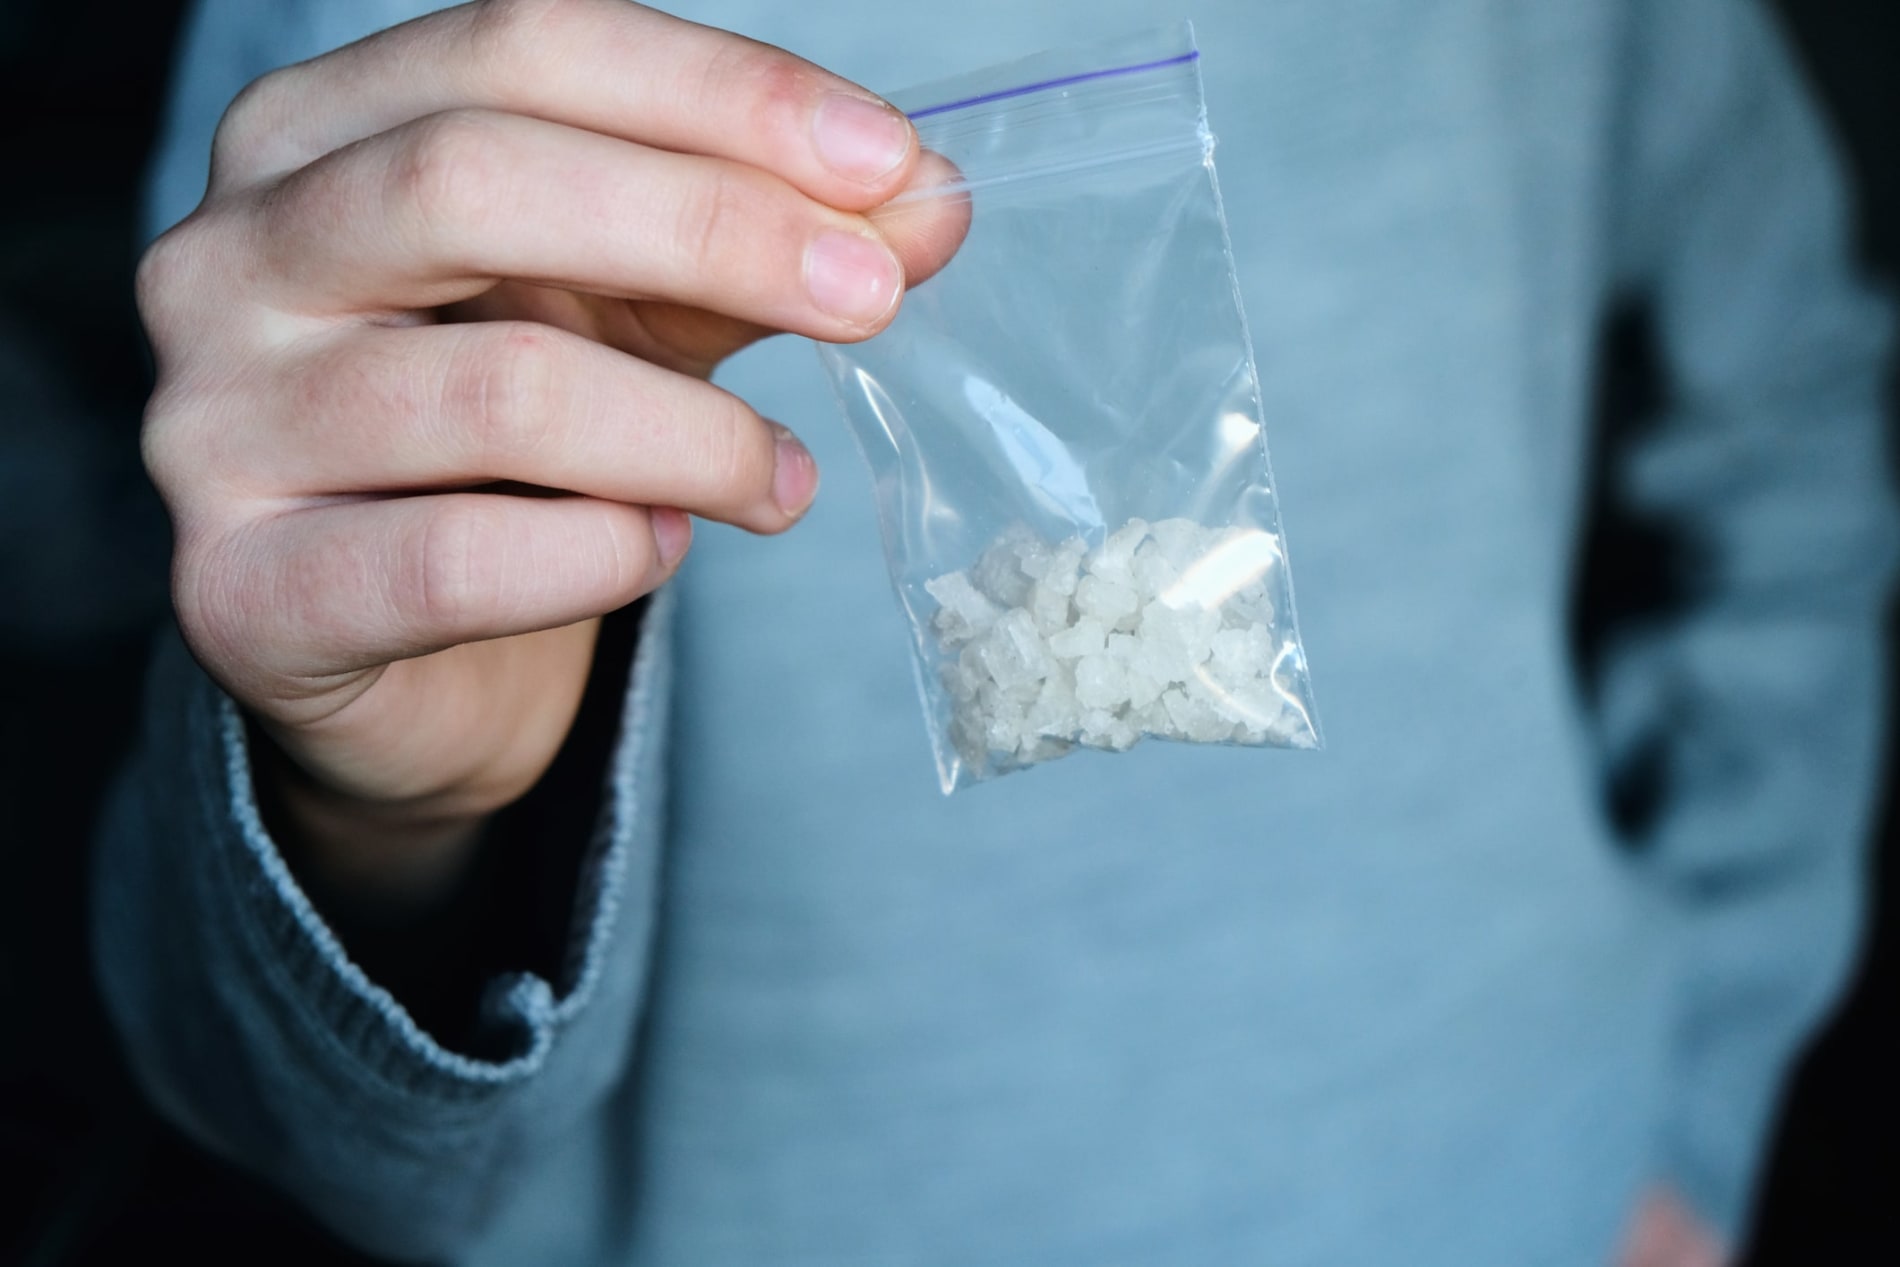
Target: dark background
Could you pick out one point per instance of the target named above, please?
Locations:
(87, 1175)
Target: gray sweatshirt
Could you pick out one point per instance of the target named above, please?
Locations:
(1408, 1000)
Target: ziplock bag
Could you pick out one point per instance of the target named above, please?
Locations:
(1065, 431)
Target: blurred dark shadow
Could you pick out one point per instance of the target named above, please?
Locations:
(88, 1175)
(1833, 1188)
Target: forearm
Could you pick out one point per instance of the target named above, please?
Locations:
(270, 1039)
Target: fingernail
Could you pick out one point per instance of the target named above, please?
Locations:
(795, 479)
(851, 277)
(672, 533)
(858, 139)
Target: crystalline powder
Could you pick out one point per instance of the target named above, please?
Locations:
(1050, 607)
(1085, 637)
(1051, 645)
(962, 612)
(1105, 600)
(1100, 682)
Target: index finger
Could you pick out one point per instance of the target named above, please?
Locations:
(607, 66)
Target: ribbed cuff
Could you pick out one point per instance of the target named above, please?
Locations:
(296, 960)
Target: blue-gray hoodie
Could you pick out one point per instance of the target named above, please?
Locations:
(1405, 1001)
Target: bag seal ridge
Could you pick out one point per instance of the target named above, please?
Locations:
(1062, 81)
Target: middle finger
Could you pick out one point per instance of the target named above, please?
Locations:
(438, 210)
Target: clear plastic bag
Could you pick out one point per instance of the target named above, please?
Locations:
(1065, 431)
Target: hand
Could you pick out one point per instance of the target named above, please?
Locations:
(492, 252)
(1665, 1232)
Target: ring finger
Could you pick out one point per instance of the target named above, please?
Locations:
(433, 407)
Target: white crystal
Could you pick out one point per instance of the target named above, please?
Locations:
(1085, 637)
(1103, 729)
(962, 611)
(1004, 732)
(1181, 541)
(1195, 718)
(1005, 701)
(1162, 661)
(1065, 566)
(1188, 631)
(1055, 712)
(1050, 607)
(1152, 718)
(1252, 605)
(1031, 753)
(1152, 572)
(1164, 630)
(1012, 650)
(1033, 556)
(961, 681)
(1238, 654)
(1143, 690)
(1104, 600)
(999, 572)
(1256, 706)
(1100, 682)
(1114, 559)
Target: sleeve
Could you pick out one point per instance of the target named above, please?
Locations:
(241, 1012)
(248, 1024)
(1762, 695)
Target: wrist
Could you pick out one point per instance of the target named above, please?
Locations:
(385, 863)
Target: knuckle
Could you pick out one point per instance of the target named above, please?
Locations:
(190, 438)
(735, 452)
(720, 213)
(444, 172)
(213, 591)
(165, 276)
(192, 434)
(162, 445)
(635, 556)
(768, 84)
(510, 377)
(629, 564)
(254, 126)
(508, 32)
(455, 574)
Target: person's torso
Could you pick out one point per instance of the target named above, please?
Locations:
(1397, 1001)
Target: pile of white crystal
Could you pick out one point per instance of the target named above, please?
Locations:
(1165, 629)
